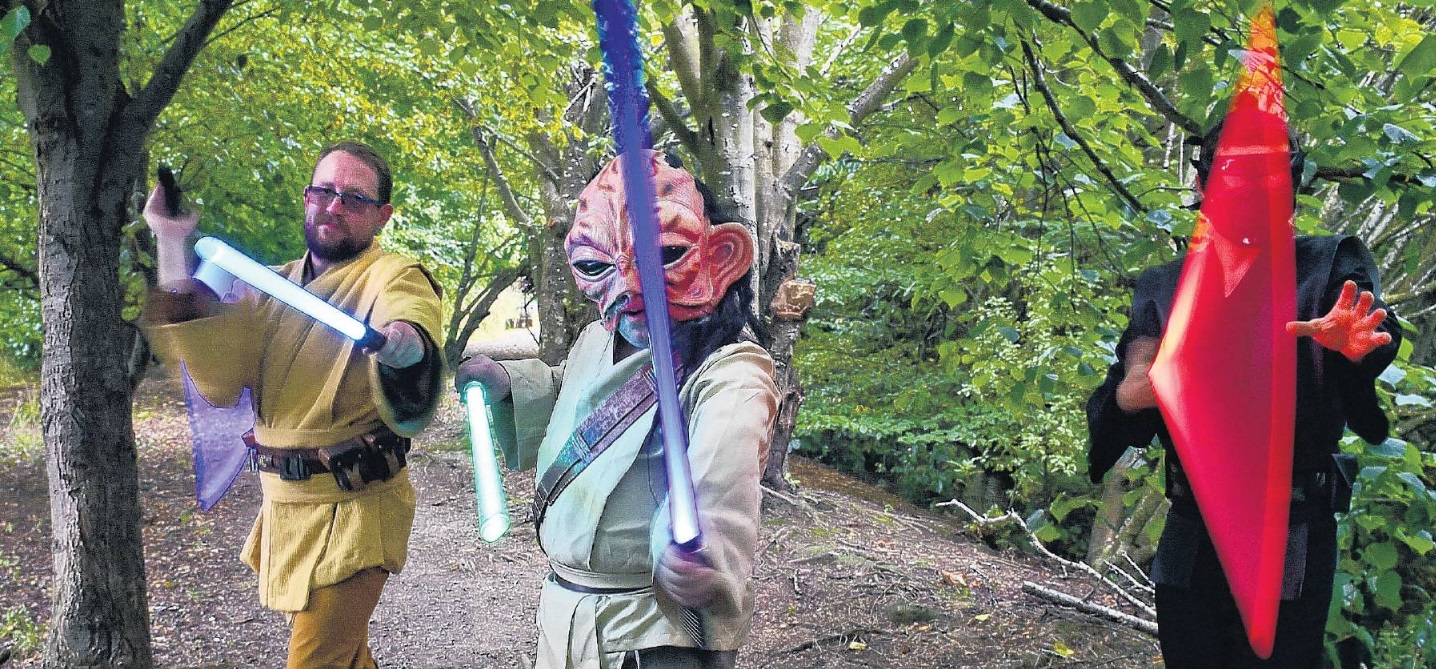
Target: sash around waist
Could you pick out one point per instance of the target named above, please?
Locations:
(599, 580)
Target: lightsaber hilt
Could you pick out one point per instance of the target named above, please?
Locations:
(269, 282)
(171, 189)
(493, 506)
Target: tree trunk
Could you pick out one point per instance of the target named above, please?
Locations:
(87, 133)
(562, 166)
(99, 615)
(756, 168)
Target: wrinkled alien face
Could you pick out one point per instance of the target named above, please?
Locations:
(700, 261)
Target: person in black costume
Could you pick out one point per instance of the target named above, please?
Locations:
(1346, 338)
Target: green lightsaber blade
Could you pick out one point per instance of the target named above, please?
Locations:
(269, 282)
(488, 482)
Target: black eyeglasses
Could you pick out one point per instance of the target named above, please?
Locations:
(322, 197)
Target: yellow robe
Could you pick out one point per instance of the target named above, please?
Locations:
(313, 387)
(610, 525)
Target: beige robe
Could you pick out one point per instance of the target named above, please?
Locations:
(610, 525)
(313, 387)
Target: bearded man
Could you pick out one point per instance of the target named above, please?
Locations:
(332, 420)
(618, 586)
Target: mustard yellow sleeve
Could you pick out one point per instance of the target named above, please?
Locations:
(221, 352)
(407, 399)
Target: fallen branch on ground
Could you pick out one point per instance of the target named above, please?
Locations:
(842, 636)
(1079, 566)
(1064, 599)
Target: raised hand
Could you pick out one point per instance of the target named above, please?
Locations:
(162, 223)
(1348, 328)
(483, 370)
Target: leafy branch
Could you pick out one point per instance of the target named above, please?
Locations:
(141, 113)
(1040, 81)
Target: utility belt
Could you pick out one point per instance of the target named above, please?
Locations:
(1332, 486)
(354, 462)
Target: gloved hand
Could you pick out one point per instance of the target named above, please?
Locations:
(1347, 329)
(685, 578)
(160, 222)
(172, 258)
(1135, 393)
(403, 345)
(491, 375)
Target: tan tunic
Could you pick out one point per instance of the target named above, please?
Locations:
(313, 387)
(610, 525)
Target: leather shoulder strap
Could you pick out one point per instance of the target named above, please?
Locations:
(592, 437)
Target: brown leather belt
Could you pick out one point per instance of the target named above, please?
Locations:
(298, 464)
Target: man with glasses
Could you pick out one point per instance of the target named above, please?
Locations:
(333, 420)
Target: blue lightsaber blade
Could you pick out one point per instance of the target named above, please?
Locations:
(269, 282)
(488, 482)
(628, 102)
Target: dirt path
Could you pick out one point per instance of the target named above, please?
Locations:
(848, 576)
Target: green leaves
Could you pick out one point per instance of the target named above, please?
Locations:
(1420, 60)
(1088, 16)
(12, 24)
(39, 53)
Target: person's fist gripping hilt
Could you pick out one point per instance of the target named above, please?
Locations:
(403, 345)
(483, 370)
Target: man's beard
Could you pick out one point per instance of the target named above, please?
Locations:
(334, 251)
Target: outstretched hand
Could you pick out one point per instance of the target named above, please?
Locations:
(403, 345)
(1348, 328)
(483, 370)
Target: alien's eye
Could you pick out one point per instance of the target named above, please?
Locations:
(591, 267)
(672, 254)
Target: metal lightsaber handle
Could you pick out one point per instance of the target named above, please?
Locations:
(269, 282)
(493, 506)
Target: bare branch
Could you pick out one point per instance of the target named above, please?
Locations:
(23, 271)
(511, 203)
(242, 22)
(1040, 81)
(670, 114)
(467, 107)
(859, 109)
(1065, 599)
(141, 113)
(1041, 548)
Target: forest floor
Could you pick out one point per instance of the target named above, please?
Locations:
(847, 576)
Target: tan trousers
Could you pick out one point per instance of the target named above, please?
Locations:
(333, 632)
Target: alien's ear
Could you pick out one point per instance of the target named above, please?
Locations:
(730, 254)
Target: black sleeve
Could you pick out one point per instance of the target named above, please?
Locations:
(413, 389)
(1111, 431)
(1357, 381)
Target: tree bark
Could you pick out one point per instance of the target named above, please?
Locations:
(87, 134)
(565, 169)
(756, 168)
